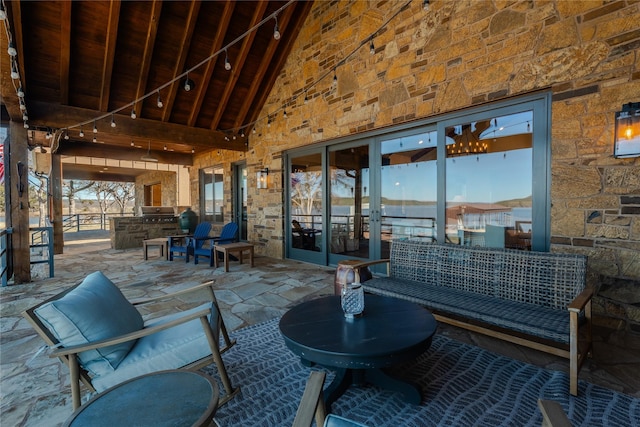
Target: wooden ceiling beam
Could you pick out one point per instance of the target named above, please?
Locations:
(7, 90)
(65, 50)
(185, 43)
(103, 151)
(225, 19)
(109, 54)
(95, 174)
(258, 13)
(60, 116)
(268, 79)
(148, 53)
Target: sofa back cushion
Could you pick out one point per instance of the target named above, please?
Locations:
(95, 310)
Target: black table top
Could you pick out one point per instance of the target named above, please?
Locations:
(175, 397)
(389, 332)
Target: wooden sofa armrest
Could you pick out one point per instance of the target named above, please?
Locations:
(552, 414)
(581, 300)
(356, 267)
(312, 403)
(72, 350)
(141, 301)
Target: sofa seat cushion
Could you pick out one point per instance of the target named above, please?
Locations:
(172, 348)
(531, 319)
(95, 310)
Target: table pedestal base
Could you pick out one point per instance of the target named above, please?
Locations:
(411, 393)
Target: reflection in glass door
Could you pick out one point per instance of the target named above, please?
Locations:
(306, 207)
(240, 199)
(489, 182)
(408, 189)
(349, 192)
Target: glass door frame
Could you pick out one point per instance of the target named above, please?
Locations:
(315, 257)
(239, 195)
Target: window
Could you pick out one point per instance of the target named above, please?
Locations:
(489, 181)
(212, 191)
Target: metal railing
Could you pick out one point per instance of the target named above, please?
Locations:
(4, 255)
(41, 246)
(88, 221)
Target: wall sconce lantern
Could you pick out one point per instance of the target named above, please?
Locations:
(262, 178)
(627, 131)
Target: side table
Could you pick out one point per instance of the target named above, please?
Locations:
(226, 249)
(161, 242)
(175, 397)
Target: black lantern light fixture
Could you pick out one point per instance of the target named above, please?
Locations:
(627, 131)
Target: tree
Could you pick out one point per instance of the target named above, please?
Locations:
(71, 189)
(103, 192)
(122, 193)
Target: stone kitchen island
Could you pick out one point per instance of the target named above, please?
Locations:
(156, 221)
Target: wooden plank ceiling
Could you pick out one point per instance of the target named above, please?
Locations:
(83, 60)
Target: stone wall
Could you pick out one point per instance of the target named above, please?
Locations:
(168, 181)
(459, 54)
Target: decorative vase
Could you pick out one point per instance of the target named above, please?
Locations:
(352, 299)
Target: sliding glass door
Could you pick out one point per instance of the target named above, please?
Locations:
(475, 178)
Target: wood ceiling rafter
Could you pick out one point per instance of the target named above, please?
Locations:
(65, 50)
(187, 36)
(225, 19)
(58, 116)
(9, 97)
(253, 97)
(109, 54)
(147, 54)
(235, 73)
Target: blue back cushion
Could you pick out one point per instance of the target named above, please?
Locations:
(93, 311)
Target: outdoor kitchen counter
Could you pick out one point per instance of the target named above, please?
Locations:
(129, 232)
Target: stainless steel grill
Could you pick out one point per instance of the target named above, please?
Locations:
(158, 214)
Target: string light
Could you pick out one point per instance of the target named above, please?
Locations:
(20, 92)
(15, 75)
(426, 5)
(159, 102)
(95, 129)
(276, 30)
(11, 50)
(372, 48)
(227, 64)
(3, 13)
(113, 121)
(335, 78)
(81, 132)
(133, 114)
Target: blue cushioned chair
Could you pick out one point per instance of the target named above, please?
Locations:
(103, 339)
(182, 244)
(312, 406)
(229, 234)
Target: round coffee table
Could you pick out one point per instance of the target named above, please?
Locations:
(389, 332)
(175, 397)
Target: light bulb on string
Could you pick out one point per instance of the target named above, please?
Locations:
(276, 29)
(335, 78)
(81, 132)
(11, 50)
(66, 135)
(95, 129)
(227, 64)
(159, 101)
(15, 74)
(113, 121)
(25, 117)
(284, 114)
(372, 48)
(133, 114)
(20, 92)
(3, 13)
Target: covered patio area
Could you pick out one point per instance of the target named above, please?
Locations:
(35, 388)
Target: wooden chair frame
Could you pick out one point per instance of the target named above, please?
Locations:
(68, 355)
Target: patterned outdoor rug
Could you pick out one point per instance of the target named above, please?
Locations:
(462, 385)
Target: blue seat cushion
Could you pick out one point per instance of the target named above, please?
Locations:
(543, 322)
(95, 310)
(171, 348)
(337, 421)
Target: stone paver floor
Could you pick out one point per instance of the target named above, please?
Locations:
(34, 388)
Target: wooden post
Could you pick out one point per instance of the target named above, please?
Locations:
(19, 202)
(55, 200)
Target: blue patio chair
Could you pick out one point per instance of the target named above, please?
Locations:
(229, 234)
(181, 244)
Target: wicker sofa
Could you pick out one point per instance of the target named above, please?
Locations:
(536, 299)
